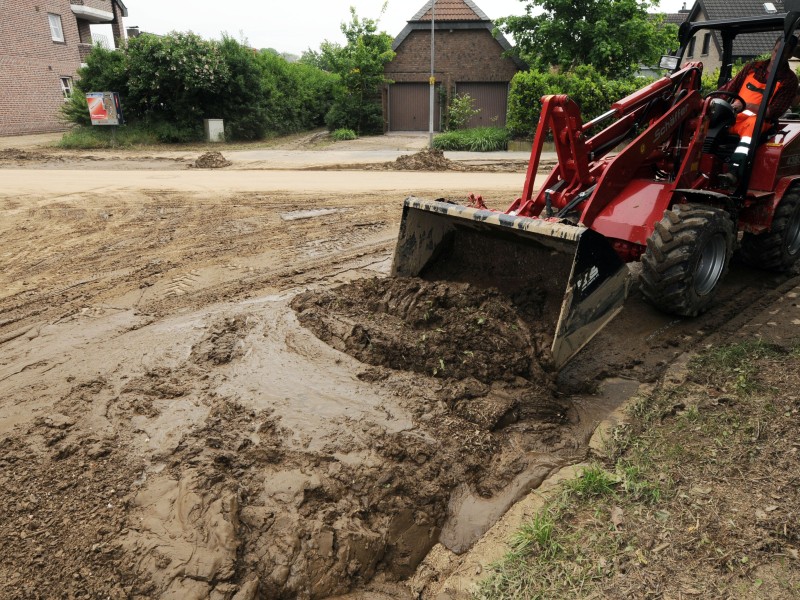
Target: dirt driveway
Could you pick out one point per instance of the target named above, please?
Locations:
(169, 429)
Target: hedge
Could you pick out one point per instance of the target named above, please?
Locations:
(590, 90)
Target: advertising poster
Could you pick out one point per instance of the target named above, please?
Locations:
(104, 108)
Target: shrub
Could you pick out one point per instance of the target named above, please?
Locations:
(105, 71)
(297, 96)
(461, 110)
(590, 90)
(175, 78)
(76, 110)
(341, 135)
(241, 98)
(479, 139)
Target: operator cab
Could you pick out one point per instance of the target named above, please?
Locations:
(736, 37)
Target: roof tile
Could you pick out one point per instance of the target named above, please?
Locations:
(746, 45)
(451, 10)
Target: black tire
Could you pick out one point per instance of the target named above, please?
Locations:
(687, 256)
(779, 248)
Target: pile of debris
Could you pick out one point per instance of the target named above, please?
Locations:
(430, 159)
(211, 160)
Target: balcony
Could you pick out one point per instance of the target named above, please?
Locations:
(93, 15)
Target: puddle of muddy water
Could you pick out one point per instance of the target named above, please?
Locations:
(612, 393)
(470, 516)
(312, 387)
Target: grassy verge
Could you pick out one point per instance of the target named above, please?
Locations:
(87, 138)
(480, 139)
(697, 497)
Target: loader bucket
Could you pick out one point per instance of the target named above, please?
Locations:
(576, 279)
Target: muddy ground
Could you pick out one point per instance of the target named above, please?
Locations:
(176, 423)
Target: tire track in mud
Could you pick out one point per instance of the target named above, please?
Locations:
(159, 239)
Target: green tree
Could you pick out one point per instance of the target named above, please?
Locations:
(359, 65)
(614, 36)
(172, 78)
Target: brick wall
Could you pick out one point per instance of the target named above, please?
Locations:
(462, 55)
(117, 26)
(84, 32)
(32, 64)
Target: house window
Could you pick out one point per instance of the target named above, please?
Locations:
(66, 87)
(706, 43)
(56, 30)
(690, 51)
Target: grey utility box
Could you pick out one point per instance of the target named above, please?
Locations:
(215, 130)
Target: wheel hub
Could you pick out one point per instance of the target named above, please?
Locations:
(793, 234)
(711, 264)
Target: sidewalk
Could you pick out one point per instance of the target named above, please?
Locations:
(367, 150)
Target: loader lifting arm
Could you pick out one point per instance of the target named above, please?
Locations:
(661, 107)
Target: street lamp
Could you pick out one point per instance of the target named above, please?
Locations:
(432, 80)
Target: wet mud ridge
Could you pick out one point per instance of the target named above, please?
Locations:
(486, 425)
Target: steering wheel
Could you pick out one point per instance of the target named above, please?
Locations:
(731, 95)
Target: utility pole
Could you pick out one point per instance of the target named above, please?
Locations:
(432, 79)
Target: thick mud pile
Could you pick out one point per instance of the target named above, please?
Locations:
(442, 329)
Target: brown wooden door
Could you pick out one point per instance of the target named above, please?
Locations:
(409, 105)
(491, 99)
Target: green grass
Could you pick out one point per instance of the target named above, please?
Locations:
(537, 537)
(600, 528)
(87, 138)
(594, 481)
(733, 366)
(341, 135)
(480, 139)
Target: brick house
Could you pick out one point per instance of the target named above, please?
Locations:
(42, 45)
(468, 59)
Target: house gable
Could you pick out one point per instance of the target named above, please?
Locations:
(467, 56)
(453, 16)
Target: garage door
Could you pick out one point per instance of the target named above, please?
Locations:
(491, 99)
(409, 105)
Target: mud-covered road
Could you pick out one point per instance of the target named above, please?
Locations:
(170, 429)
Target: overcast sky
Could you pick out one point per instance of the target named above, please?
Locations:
(292, 26)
